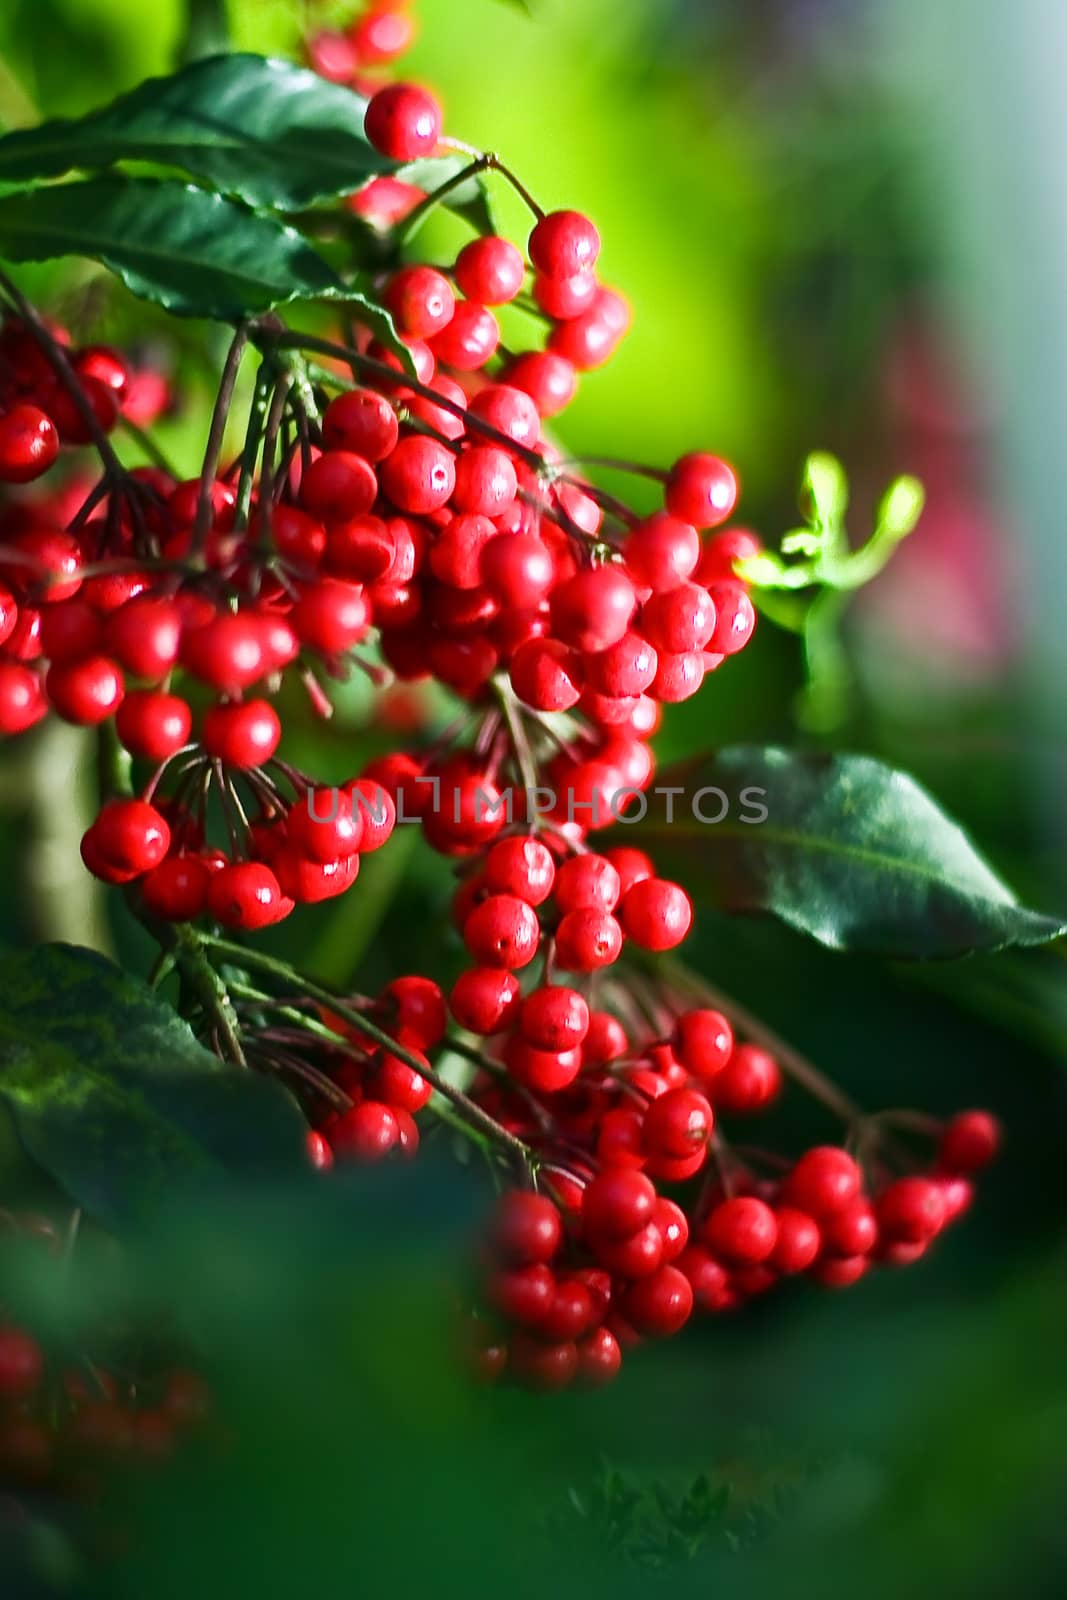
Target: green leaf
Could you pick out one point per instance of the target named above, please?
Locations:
(849, 851)
(470, 200)
(272, 133)
(113, 1096)
(195, 253)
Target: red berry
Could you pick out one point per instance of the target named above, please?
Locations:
(969, 1142)
(153, 725)
(587, 881)
(797, 1243)
(636, 1256)
(485, 481)
(337, 486)
(554, 1018)
(323, 825)
(587, 940)
(563, 298)
(131, 836)
(544, 1071)
(243, 736)
(547, 1367)
(599, 1357)
(484, 999)
(518, 569)
(403, 122)
(671, 1221)
(617, 1204)
(226, 652)
(420, 475)
(550, 380)
(743, 1229)
(245, 894)
(331, 616)
(421, 301)
(397, 1084)
(573, 1313)
(705, 1041)
(748, 1083)
(911, 1210)
(656, 914)
(376, 807)
(526, 1228)
(564, 243)
(22, 698)
(851, 1231)
(677, 1124)
(366, 1133)
(21, 1363)
(520, 867)
(524, 1294)
(660, 1304)
(628, 667)
(502, 932)
(29, 444)
(177, 889)
(823, 1181)
(470, 340)
(490, 271)
(418, 1009)
(702, 490)
(592, 610)
(145, 635)
(735, 618)
(363, 422)
(679, 620)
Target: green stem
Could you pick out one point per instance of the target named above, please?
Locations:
(257, 961)
(216, 435)
(207, 30)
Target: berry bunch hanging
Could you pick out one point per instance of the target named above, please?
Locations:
(400, 507)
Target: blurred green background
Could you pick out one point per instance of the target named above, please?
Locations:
(841, 224)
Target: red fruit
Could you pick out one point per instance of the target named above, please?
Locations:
(705, 1041)
(743, 1230)
(420, 474)
(708, 1279)
(243, 736)
(680, 620)
(526, 1228)
(626, 668)
(750, 1081)
(563, 298)
(376, 807)
(323, 825)
(620, 1138)
(48, 562)
(969, 1142)
(735, 618)
(21, 1363)
(573, 1312)
(307, 882)
(421, 301)
(548, 1367)
(823, 1181)
(564, 243)
(363, 422)
(587, 881)
(490, 271)
(245, 895)
(319, 1153)
(502, 932)
(617, 1204)
(366, 1133)
(599, 1357)
(702, 490)
(852, 1230)
(678, 1124)
(518, 569)
(797, 1243)
(543, 1071)
(338, 485)
(911, 1210)
(550, 380)
(145, 635)
(22, 699)
(153, 725)
(418, 1009)
(226, 652)
(546, 674)
(839, 1272)
(634, 1257)
(485, 481)
(554, 1018)
(671, 1221)
(105, 365)
(29, 444)
(484, 999)
(470, 340)
(382, 35)
(331, 616)
(587, 940)
(592, 610)
(631, 865)
(656, 914)
(131, 836)
(403, 122)
(176, 890)
(397, 1084)
(520, 867)
(722, 551)
(524, 1294)
(660, 1304)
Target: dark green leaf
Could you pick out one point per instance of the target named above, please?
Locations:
(273, 133)
(113, 1096)
(195, 253)
(851, 852)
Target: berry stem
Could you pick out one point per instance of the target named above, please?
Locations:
(216, 435)
(474, 1114)
(415, 219)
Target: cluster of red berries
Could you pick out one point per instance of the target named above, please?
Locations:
(585, 1270)
(373, 40)
(65, 1427)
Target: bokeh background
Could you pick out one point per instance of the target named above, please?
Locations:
(842, 224)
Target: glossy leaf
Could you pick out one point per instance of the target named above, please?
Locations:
(195, 253)
(114, 1097)
(848, 851)
(268, 131)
